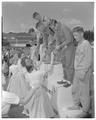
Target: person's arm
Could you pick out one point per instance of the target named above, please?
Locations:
(52, 58)
(10, 72)
(63, 45)
(41, 60)
(50, 71)
(42, 55)
(85, 62)
(66, 36)
(38, 39)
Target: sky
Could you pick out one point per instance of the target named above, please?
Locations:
(17, 16)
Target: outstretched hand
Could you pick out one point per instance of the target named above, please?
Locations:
(21, 101)
(67, 84)
(57, 47)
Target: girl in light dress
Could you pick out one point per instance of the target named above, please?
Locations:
(13, 66)
(37, 103)
(17, 83)
(8, 98)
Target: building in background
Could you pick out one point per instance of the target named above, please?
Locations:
(17, 39)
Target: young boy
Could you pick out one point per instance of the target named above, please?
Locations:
(83, 71)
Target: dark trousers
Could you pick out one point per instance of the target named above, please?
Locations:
(16, 112)
(68, 74)
(67, 60)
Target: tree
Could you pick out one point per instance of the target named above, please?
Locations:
(89, 35)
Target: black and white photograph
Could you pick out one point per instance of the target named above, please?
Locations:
(47, 59)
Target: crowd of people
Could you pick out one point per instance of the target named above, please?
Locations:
(60, 57)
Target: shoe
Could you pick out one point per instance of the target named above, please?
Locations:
(67, 84)
(74, 107)
(82, 115)
(55, 111)
(61, 82)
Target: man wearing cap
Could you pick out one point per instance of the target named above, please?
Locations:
(83, 71)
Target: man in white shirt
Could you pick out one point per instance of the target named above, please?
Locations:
(83, 71)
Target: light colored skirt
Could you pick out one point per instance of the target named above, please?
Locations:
(39, 105)
(51, 82)
(18, 85)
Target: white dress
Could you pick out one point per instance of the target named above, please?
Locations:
(12, 69)
(39, 105)
(17, 83)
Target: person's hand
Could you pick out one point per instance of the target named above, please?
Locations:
(45, 75)
(57, 47)
(67, 84)
(21, 101)
(53, 90)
